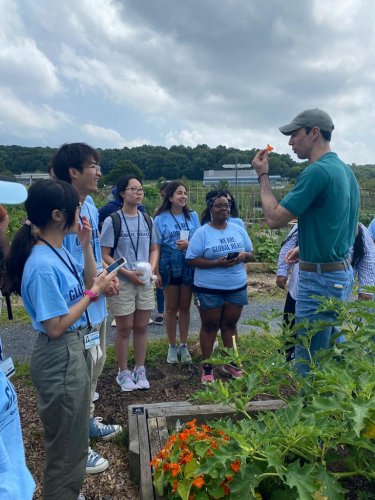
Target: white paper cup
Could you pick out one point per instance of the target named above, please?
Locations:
(184, 234)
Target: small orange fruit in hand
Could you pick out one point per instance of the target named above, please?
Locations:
(268, 148)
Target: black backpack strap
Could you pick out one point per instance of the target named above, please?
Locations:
(116, 222)
(149, 223)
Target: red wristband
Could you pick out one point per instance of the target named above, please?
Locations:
(93, 296)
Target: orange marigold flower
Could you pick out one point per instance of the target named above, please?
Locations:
(235, 466)
(183, 435)
(226, 490)
(175, 485)
(214, 444)
(229, 478)
(206, 428)
(198, 482)
(165, 467)
(269, 148)
(175, 469)
(191, 423)
(210, 453)
(186, 457)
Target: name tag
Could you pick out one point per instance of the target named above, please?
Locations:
(92, 339)
(7, 367)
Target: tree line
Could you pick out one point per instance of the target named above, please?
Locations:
(155, 162)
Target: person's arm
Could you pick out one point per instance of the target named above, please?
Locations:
(276, 215)
(283, 267)
(59, 324)
(84, 233)
(154, 258)
(366, 267)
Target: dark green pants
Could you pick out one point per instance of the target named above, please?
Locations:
(61, 377)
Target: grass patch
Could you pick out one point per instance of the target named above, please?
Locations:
(19, 313)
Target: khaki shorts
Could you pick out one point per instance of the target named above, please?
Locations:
(130, 298)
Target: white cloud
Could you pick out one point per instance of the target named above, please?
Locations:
(192, 72)
(109, 138)
(21, 118)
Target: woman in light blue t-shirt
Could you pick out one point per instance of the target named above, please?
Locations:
(218, 250)
(233, 216)
(176, 224)
(52, 286)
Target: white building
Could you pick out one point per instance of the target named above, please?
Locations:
(213, 177)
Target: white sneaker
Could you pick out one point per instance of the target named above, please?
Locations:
(96, 397)
(150, 321)
(81, 496)
(113, 322)
(139, 376)
(125, 381)
(95, 462)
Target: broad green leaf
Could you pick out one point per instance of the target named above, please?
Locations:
(191, 468)
(159, 483)
(201, 448)
(183, 488)
(301, 478)
(360, 413)
(330, 487)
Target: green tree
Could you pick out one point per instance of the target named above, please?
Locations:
(120, 168)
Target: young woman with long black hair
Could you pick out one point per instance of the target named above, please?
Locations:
(176, 224)
(56, 292)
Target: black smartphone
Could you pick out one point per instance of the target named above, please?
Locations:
(116, 265)
(232, 255)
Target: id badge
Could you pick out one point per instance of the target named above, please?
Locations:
(7, 367)
(92, 339)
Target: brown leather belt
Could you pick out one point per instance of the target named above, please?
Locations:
(324, 268)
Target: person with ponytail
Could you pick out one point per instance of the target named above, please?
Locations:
(56, 292)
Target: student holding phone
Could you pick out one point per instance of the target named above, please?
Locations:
(57, 291)
(218, 251)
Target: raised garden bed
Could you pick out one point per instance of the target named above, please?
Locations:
(150, 426)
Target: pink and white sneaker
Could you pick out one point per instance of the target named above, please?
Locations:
(232, 371)
(207, 374)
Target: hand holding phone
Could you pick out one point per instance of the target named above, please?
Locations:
(115, 266)
(232, 255)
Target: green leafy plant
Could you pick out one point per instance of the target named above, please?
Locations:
(324, 435)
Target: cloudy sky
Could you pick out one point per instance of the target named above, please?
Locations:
(125, 73)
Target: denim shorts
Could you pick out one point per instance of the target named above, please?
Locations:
(206, 300)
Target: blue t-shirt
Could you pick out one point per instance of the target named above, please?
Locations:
(169, 227)
(16, 482)
(238, 221)
(211, 243)
(371, 229)
(97, 310)
(48, 288)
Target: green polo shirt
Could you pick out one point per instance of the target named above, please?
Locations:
(326, 201)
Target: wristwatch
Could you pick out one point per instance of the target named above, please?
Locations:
(93, 296)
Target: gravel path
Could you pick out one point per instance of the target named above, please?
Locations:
(18, 338)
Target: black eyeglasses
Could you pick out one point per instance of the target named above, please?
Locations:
(222, 205)
(134, 190)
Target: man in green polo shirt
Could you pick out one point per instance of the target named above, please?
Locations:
(326, 201)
